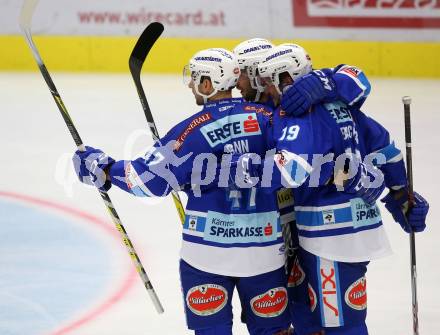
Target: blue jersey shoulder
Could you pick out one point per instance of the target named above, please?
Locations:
(352, 85)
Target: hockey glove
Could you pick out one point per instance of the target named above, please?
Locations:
(368, 183)
(91, 166)
(306, 91)
(412, 219)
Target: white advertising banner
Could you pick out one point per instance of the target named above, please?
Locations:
(303, 19)
(182, 18)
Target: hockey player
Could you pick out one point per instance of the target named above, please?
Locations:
(344, 82)
(249, 53)
(300, 96)
(339, 232)
(231, 238)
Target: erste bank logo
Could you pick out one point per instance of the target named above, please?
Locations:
(232, 126)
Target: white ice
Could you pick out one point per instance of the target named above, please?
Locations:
(35, 160)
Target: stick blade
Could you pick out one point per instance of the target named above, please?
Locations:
(27, 11)
(143, 46)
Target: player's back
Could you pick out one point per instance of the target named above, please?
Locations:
(239, 228)
(330, 223)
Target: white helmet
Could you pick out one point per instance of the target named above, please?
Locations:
(220, 65)
(249, 54)
(290, 58)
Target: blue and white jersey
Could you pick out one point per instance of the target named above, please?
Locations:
(227, 232)
(376, 139)
(352, 85)
(331, 223)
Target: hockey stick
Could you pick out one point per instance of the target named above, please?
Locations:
(137, 58)
(25, 24)
(412, 242)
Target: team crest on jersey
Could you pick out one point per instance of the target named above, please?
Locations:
(196, 122)
(312, 297)
(271, 303)
(356, 294)
(296, 276)
(206, 299)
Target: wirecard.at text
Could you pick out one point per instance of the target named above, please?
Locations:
(143, 17)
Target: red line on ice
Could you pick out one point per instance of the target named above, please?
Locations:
(128, 282)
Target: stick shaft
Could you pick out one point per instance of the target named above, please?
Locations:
(409, 172)
(137, 58)
(25, 23)
(412, 242)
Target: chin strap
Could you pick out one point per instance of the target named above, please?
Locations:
(257, 96)
(256, 86)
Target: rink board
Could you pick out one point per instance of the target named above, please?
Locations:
(169, 55)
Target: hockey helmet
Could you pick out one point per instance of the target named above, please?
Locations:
(219, 65)
(290, 58)
(249, 54)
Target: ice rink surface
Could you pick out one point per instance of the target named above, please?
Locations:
(63, 269)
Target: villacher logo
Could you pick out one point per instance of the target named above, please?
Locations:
(356, 294)
(271, 303)
(206, 299)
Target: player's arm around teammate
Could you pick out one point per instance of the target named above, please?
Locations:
(351, 86)
(230, 238)
(339, 231)
(345, 83)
